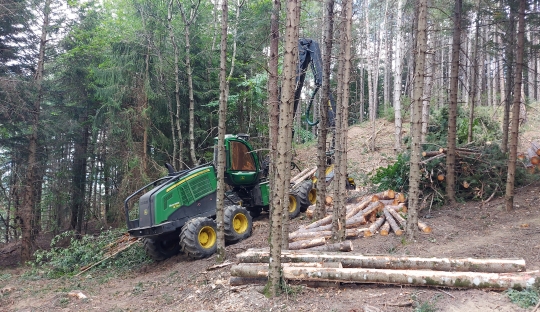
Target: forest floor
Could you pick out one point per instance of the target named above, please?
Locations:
(467, 229)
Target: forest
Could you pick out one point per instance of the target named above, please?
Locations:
(96, 96)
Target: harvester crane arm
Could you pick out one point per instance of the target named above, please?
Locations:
(309, 53)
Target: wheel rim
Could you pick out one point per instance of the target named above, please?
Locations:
(292, 203)
(240, 223)
(312, 196)
(207, 237)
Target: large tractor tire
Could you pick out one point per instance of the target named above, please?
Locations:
(307, 195)
(294, 206)
(198, 238)
(237, 223)
(161, 249)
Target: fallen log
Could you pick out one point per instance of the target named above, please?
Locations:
(389, 194)
(479, 280)
(302, 244)
(401, 197)
(324, 221)
(345, 246)
(424, 227)
(373, 207)
(349, 224)
(398, 218)
(430, 153)
(302, 176)
(399, 208)
(389, 202)
(328, 200)
(310, 210)
(393, 223)
(385, 229)
(374, 227)
(355, 260)
(296, 236)
(356, 209)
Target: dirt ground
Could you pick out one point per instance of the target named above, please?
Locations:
(178, 284)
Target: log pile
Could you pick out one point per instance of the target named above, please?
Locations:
(336, 267)
(382, 213)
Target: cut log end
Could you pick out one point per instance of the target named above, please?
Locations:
(424, 227)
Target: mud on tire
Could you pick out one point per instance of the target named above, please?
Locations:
(161, 249)
(198, 238)
(237, 223)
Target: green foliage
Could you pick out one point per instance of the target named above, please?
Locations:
(525, 298)
(388, 113)
(480, 172)
(87, 250)
(484, 127)
(394, 176)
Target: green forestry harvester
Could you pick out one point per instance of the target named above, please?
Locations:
(177, 212)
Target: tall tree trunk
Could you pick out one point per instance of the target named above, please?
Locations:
(188, 21)
(344, 74)
(509, 197)
(273, 95)
(27, 210)
(284, 132)
(177, 162)
(414, 184)
(320, 212)
(288, 126)
(398, 59)
(223, 90)
(474, 74)
(426, 98)
(509, 52)
(452, 106)
(78, 204)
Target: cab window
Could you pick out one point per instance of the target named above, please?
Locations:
(241, 158)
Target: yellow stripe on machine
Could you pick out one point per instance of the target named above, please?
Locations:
(170, 188)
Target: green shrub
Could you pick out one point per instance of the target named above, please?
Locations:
(84, 251)
(394, 176)
(525, 298)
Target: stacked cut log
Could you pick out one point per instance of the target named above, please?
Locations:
(333, 267)
(383, 212)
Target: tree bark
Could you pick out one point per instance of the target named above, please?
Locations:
(177, 162)
(403, 277)
(320, 210)
(188, 20)
(280, 204)
(27, 211)
(414, 175)
(398, 59)
(353, 260)
(452, 106)
(223, 94)
(509, 197)
(344, 246)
